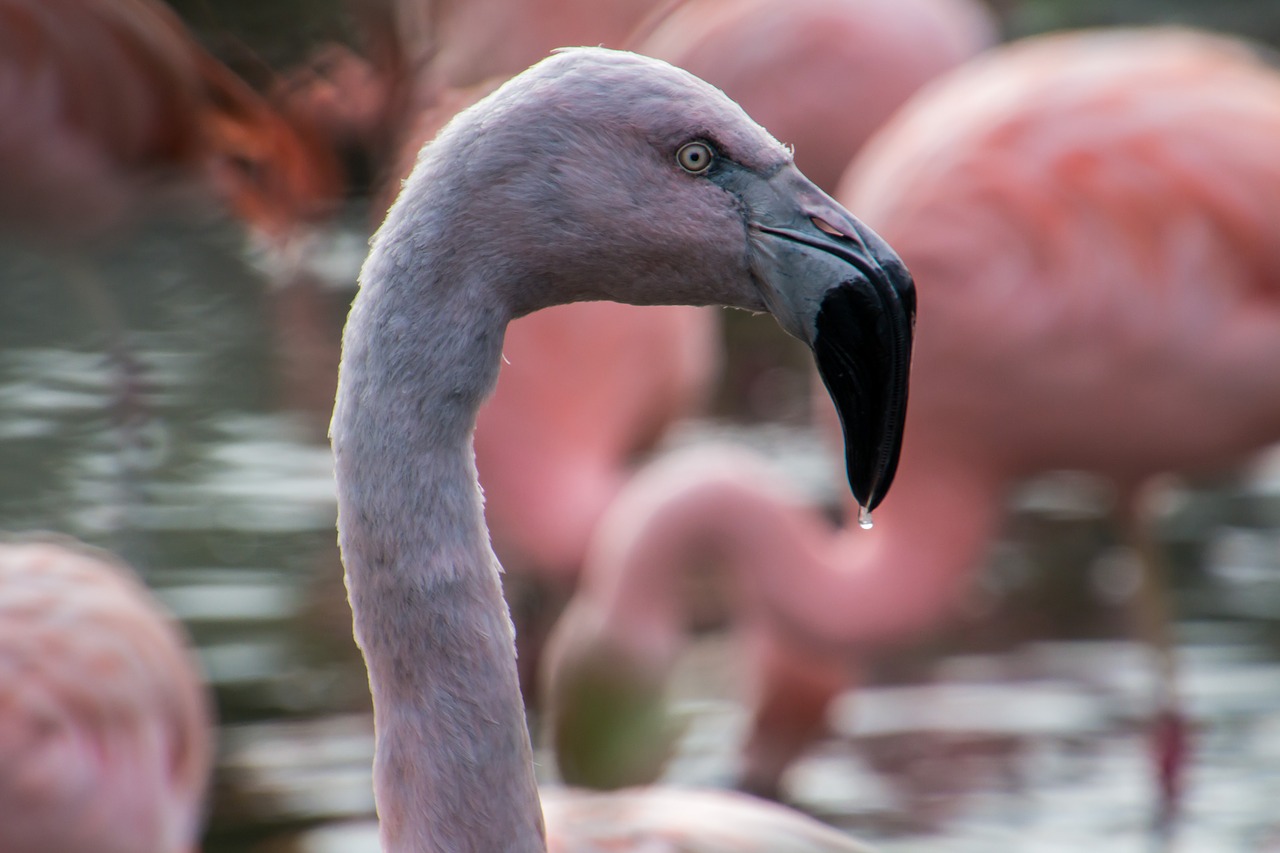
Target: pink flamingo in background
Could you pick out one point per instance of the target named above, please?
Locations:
(1091, 220)
(105, 724)
(653, 188)
(607, 661)
(422, 56)
(599, 389)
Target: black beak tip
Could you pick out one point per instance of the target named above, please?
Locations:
(863, 351)
(869, 484)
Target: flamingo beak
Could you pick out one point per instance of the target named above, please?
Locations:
(834, 284)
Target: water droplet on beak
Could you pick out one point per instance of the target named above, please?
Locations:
(864, 518)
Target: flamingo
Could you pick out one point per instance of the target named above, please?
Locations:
(560, 410)
(607, 662)
(1089, 216)
(593, 175)
(105, 723)
(123, 113)
(587, 390)
(541, 428)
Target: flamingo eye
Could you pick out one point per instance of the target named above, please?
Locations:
(695, 157)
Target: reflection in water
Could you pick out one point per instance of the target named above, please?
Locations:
(220, 490)
(1020, 729)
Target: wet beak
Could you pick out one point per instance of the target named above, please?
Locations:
(834, 284)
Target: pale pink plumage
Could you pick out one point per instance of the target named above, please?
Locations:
(1091, 221)
(105, 729)
(586, 390)
(583, 392)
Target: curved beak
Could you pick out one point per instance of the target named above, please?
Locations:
(834, 284)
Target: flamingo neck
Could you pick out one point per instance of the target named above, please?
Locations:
(909, 572)
(453, 767)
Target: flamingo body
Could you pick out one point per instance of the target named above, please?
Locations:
(1127, 181)
(104, 721)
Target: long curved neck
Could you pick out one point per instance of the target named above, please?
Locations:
(907, 574)
(846, 589)
(453, 768)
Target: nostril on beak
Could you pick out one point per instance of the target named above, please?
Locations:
(826, 227)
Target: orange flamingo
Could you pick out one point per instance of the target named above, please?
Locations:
(423, 60)
(105, 724)
(593, 175)
(123, 112)
(1090, 219)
